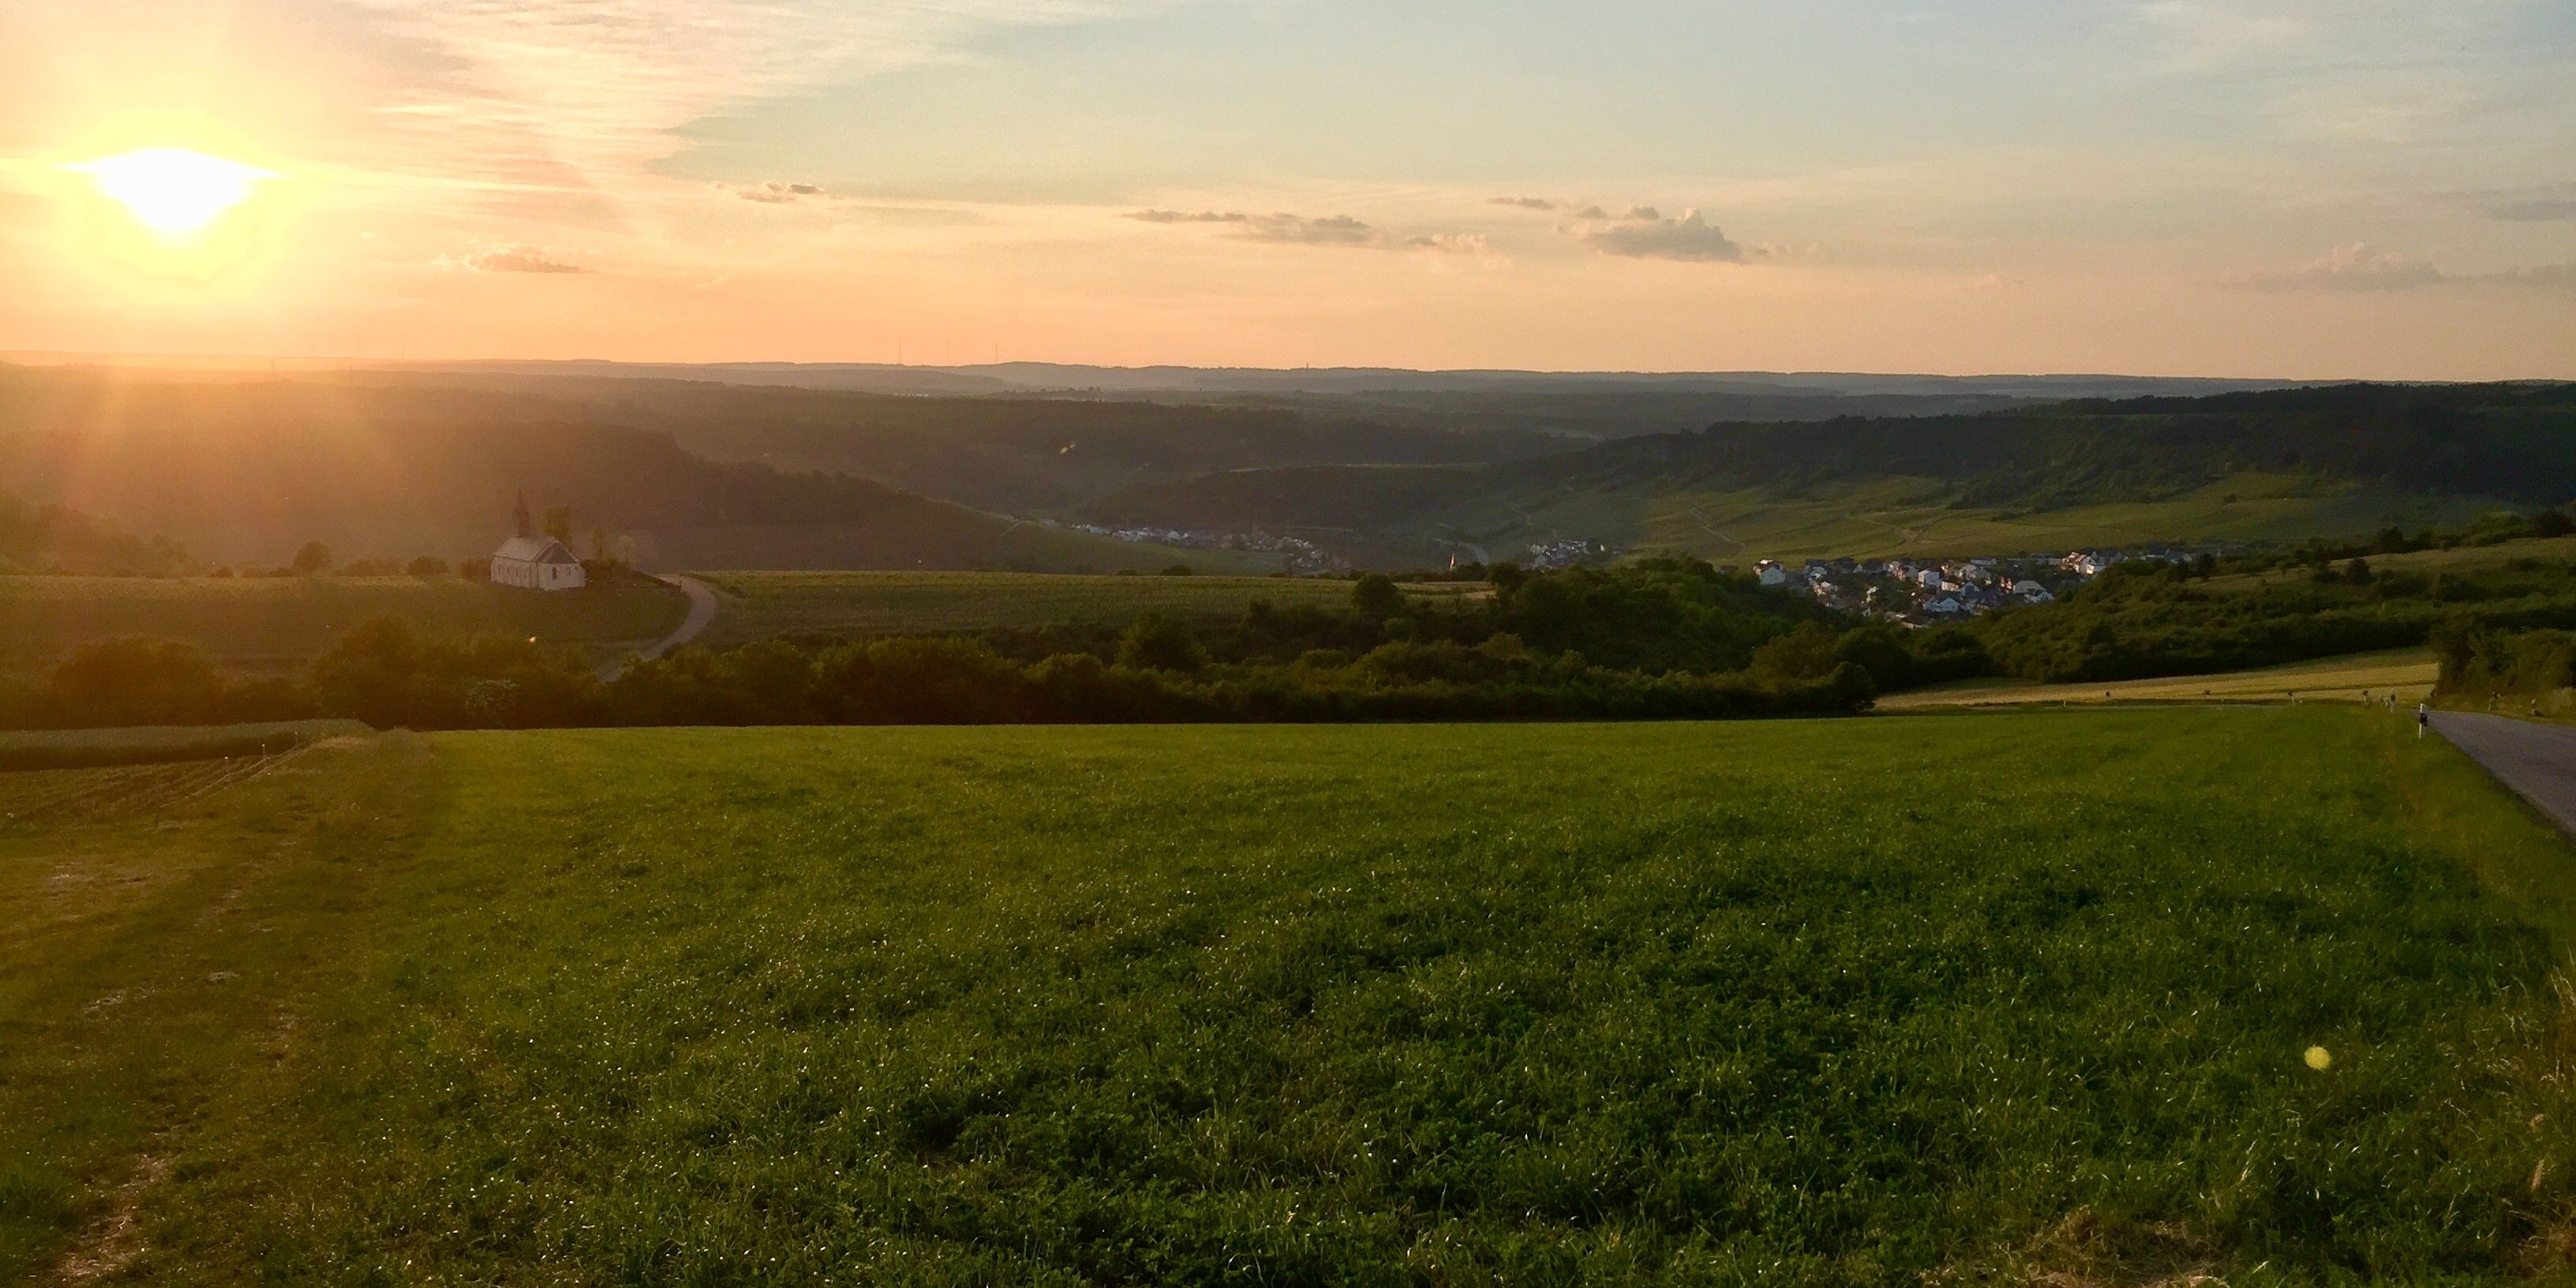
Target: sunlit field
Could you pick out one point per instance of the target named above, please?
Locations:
(277, 622)
(2407, 673)
(2080, 997)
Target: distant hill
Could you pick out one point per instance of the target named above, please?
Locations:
(53, 539)
(243, 466)
(249, 471)
(2283, 463)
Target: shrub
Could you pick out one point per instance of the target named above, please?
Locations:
(1377, 596)
(134, 680)
(1160, 643)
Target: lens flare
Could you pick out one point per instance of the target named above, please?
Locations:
(176, 193)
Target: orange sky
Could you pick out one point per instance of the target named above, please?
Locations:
(2249, 189)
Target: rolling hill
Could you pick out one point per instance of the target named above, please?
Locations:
(2269, 465)
(247, 472)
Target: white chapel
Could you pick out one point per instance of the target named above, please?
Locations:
(535, 562)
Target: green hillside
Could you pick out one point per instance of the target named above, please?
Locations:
(2145, 996)
(247, 472)
(2278, 466)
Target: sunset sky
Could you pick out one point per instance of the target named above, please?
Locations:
(2296, 188)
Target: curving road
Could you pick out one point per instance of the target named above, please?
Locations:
(702, 610)
(2536, 760)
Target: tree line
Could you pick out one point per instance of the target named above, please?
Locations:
(1662, 640)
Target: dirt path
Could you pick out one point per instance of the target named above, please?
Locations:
(2536, 760)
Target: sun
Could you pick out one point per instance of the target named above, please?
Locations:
(176, 193)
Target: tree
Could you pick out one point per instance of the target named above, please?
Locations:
(2552, 523)
(2357, 572)
(427, 566)
(559, 524)
(1807, 653)
(136, 681)
(1160, 643)
(314, 557)
(2204, 565)
(1375, 595)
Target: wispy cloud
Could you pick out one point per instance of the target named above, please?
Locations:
(2356, 267)
(514, 259)
(1645, 233)
(2536, 209)
(2204, 35)
(1329, 230)
(1523, 203)
(575, 92)
(774, 193)
(2363, 267)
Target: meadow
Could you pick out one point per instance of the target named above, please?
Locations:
(2016, 998)
(2408, 672)
(766, 605)
(1899, 517)
(271, 623)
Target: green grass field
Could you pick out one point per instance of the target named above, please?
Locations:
(762, 605)
(2408, 673)
(2020, 998)
(271, 622)
(1902, 517)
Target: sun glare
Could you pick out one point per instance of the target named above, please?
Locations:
(174, 192)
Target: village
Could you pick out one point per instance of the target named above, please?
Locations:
(1923, 592)
(1297, 555)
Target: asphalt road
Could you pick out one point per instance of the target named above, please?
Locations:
(702, 610)
(2537, 760)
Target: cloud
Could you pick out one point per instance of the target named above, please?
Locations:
(515, 259)
(2205, 36)
(773, 193)
(2536, 209)
(1184, 217)
(1644, 233)
(1454, 244)
(2547, 277)
(583, 96)
(1523, 203)
(2357, 267)
(2361, 267)
(1330, 230)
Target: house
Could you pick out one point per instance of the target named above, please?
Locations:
(534, 562)
(1943, 607)
(1930, 578)
(1771, 573)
